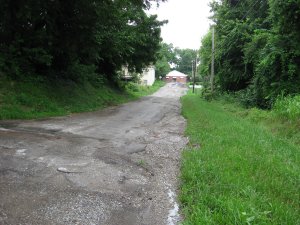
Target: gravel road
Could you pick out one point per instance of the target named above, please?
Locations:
(111, 167)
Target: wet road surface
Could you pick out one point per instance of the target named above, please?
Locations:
(114, 166)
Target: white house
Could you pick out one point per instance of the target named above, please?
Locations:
(147, 77)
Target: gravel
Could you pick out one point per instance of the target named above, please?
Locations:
(115, 166)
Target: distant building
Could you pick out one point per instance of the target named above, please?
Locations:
(125, 73)
(147, 77)
(176, 76)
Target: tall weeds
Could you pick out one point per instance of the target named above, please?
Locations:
(288, 107)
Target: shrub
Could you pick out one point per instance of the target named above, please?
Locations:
(207, 94)
(132, 87)
(248, 97)
(288, 107)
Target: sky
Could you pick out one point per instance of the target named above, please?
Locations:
(188, 22)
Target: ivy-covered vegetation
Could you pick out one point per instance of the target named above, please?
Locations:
(78, 39)
(257, 54)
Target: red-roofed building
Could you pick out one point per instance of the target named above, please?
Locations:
(176, 76)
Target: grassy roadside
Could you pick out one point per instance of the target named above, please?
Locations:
(32, 98)
(277, 121)
(137, 91)
(241, 174)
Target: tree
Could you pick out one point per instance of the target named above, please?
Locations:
(205, 56)
(185, 58)
(257, 49)
(166, 59)
(277, 66)
(76, 39)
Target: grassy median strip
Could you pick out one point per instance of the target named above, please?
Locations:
(235, 171)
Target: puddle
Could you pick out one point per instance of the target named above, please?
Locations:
(21, 152)
(173, 216)
(4, 129)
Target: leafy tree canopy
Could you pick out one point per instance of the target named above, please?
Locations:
(166, 59)
(77, 39)
(257, 51)
(185, 58)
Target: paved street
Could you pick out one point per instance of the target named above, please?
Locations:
(114, 166)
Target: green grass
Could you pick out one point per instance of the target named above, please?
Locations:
(38, 98)
(278, 120)
(288, 107)
(241, 174)
(138, 91)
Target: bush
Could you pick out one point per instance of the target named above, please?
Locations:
(132, 87)
(288, 107)
(207, 94)
(247, 97)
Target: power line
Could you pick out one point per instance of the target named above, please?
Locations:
(250, 9)
(212, 61)
(245, 15)
(213, 50)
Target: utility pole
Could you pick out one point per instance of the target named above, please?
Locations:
(196, 62)
(193, 75)
(212, 60)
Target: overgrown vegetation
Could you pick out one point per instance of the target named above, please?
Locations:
(36, 98)
(283, 120)
(242, 166)
(257, 54)
(137, 90)
(288, 107)
(78, 39)
(58, 57)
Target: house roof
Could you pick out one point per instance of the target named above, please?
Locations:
(176, 73)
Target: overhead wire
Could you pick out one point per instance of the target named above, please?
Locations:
(245, 15)
(250, 9)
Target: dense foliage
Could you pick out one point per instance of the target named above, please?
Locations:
(205, 56)
(257, 49)
(76, 39)
(166, 60)
(170, 57)
(185, 58)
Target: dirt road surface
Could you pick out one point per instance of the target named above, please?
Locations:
(116, 166)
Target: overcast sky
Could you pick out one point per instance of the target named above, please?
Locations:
(188, 22)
